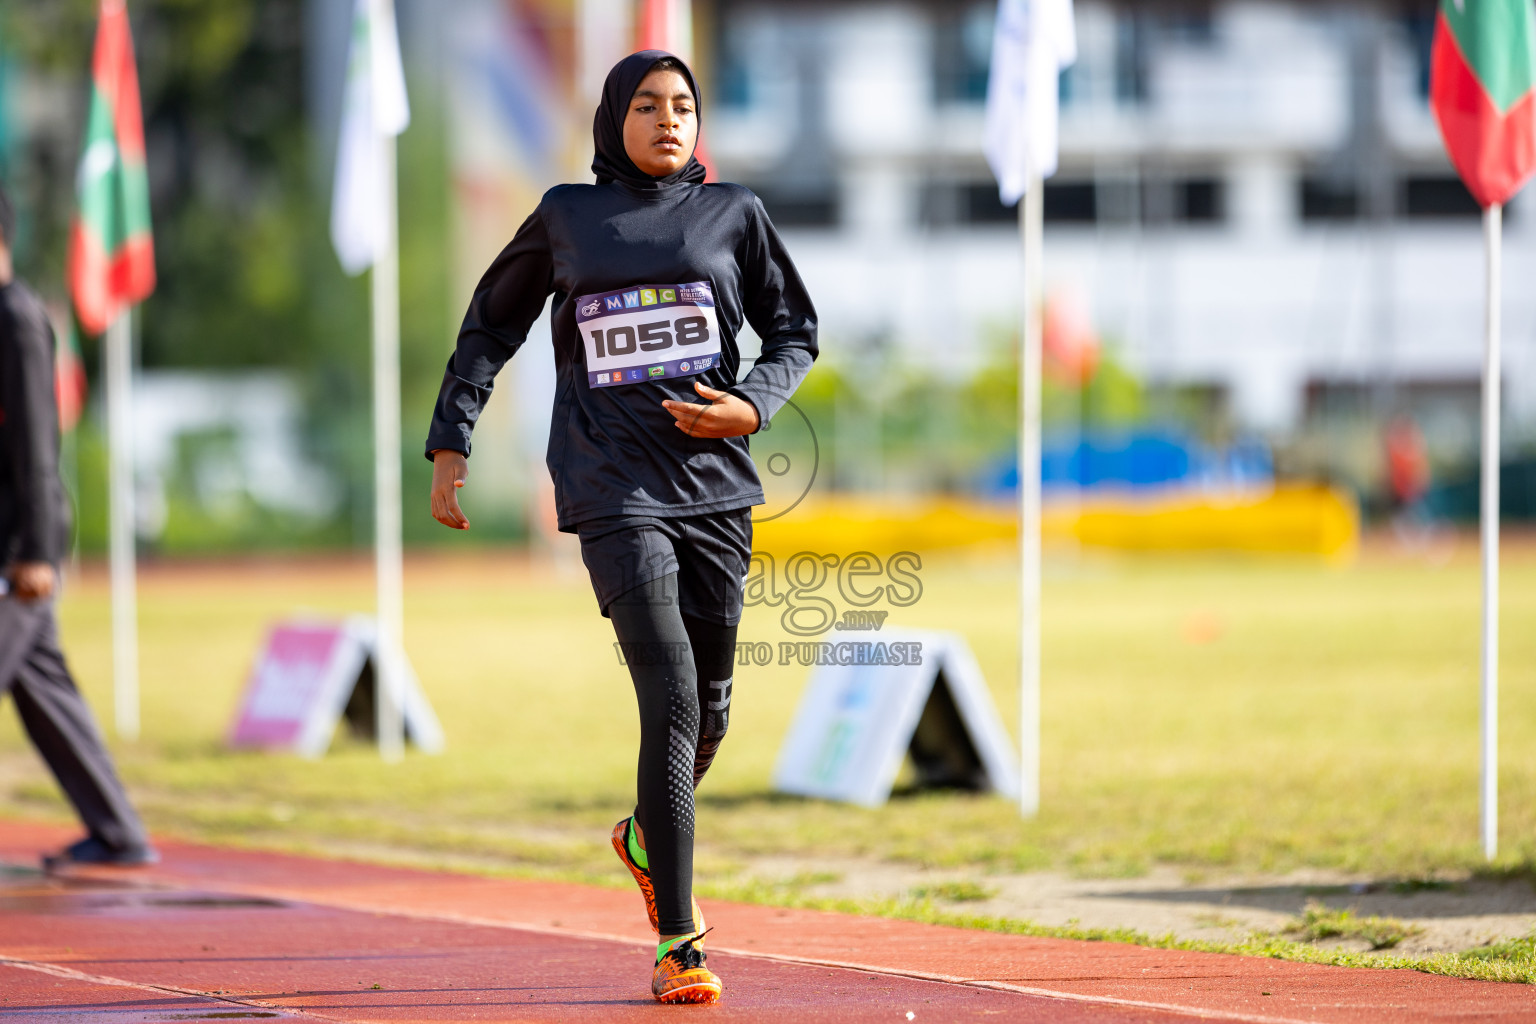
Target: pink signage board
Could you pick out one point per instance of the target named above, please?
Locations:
(301, 683)
(293, 681)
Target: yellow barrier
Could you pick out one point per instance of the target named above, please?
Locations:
(1288, 519)
(885, 525)
(1296, 519)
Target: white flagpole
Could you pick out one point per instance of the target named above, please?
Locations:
(1493, 227)
(606, 34)
(1032, 227)
(682, 28)
(125, 613)
(386, 464)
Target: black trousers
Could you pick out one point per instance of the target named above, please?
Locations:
(681, 668)
(59, 722)
(673, 588)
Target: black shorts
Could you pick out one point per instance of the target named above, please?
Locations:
(710, 553)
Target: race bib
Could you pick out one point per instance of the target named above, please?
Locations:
(648, 332)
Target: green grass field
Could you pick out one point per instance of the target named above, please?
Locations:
(1209, 713)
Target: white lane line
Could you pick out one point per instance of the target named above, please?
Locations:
(365, 907)
(70, 974)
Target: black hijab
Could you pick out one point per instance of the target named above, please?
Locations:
(610, 162)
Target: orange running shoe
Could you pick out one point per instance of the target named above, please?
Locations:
(681, 977)
(643, 880)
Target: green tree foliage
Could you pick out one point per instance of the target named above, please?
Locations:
(240, 245)
(928, 431)
(247, 275)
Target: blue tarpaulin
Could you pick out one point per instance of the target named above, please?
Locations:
(1139, 460)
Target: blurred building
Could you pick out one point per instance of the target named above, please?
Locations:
(1252, 193)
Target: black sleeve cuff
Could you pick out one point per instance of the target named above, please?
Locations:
(436, 444)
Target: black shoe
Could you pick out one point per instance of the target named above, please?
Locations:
(91, 850)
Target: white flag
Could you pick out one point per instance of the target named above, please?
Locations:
(374, 106)
(1034, 40)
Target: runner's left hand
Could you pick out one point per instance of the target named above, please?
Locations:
(724, 416)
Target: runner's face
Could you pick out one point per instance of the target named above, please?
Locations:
(662, 124)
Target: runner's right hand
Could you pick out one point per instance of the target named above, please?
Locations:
(449, 471)
(32, 581)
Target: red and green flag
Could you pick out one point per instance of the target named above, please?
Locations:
(1483, 92)
(111, 252)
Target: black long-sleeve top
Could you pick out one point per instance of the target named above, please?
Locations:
(614, 450)
(34, 514)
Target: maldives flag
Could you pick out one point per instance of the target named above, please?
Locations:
(111, 253)
(1483, 91)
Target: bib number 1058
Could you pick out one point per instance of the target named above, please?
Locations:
(657, 336)
(648, 332)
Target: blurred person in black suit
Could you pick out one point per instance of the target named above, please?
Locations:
(34, 533)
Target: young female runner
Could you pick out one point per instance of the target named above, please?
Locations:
(653, 274)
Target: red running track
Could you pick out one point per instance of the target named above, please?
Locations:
(218, 934)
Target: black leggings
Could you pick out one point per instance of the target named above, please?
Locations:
(681, 667)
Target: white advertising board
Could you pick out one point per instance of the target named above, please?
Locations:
(857, 722)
